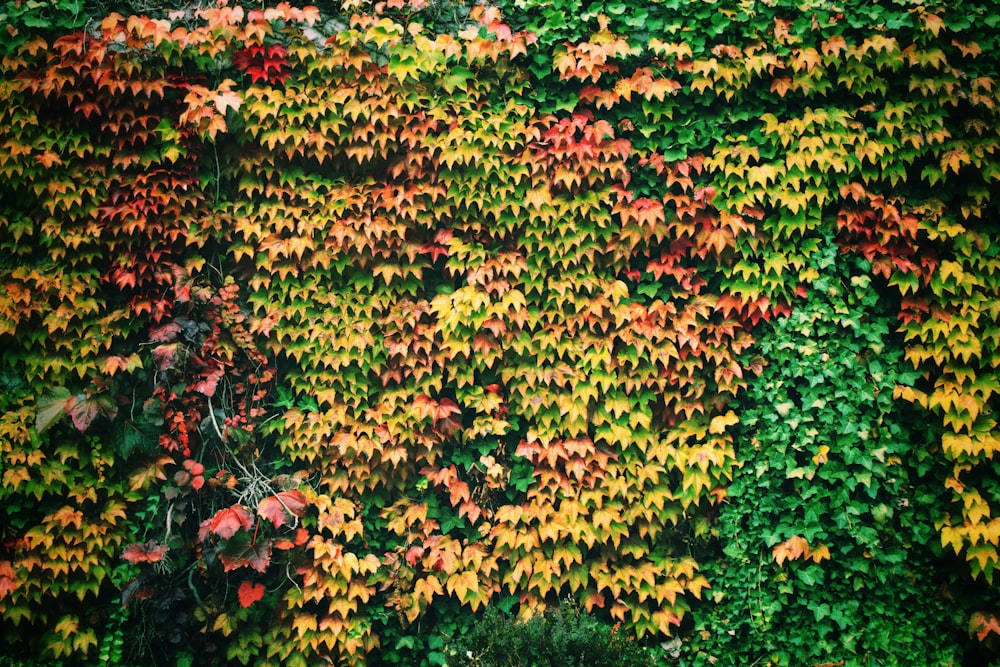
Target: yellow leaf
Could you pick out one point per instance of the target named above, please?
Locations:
(984, 556)
(427, 588)
(222, 624)
(142, 477)
(991, 532)
(304, 623)
(463, 586)
(67, 625)
(833, 46)
(820, 457)
(934, 23)
(805, 59)
(951, 536)
(822, 552)
(719, 423)
(954, 159)
(679, 50)
(785, 408)
(83, 641)
(762, 174)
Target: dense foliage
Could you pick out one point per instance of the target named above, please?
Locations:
(325, 330)
(829, 521)
(562, 636)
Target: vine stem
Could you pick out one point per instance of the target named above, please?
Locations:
(215, 423)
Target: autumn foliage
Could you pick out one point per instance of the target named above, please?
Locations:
(319, 337)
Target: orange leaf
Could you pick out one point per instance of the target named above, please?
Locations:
(250, 593)
(277, 508)
(933, 22)
(48, 158)
(413, 554)
(6, 578)
(150, 552)
(427, 588)
(983, 625)
(781, 85)
(225, 97)
(791, 549)
(833, 46)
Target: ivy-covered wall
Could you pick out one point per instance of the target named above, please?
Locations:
(324, 329)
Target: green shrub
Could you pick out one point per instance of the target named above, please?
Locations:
(563, 636)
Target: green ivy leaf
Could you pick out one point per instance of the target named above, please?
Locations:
(52, 407)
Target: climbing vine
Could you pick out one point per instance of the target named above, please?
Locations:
(325, 329)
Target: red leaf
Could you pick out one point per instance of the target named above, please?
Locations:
(136, 590)
(194, 467)
(414, 554)
(250, 593)
(226, 523)
(165, 334)
(6, 578)
(84, 411)
(706, 194)
(150, 552)
(263, 63)
(209, 382)
(164, 356)
(446, 408)
(278, 507)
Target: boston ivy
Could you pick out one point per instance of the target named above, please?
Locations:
(324, 330)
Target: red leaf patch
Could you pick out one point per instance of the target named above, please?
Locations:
(226, 523)
(149, 552)
(83, 411)
(164, 356)
(164, 334)
(209, 382)
(6, 578)
(250, 593)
